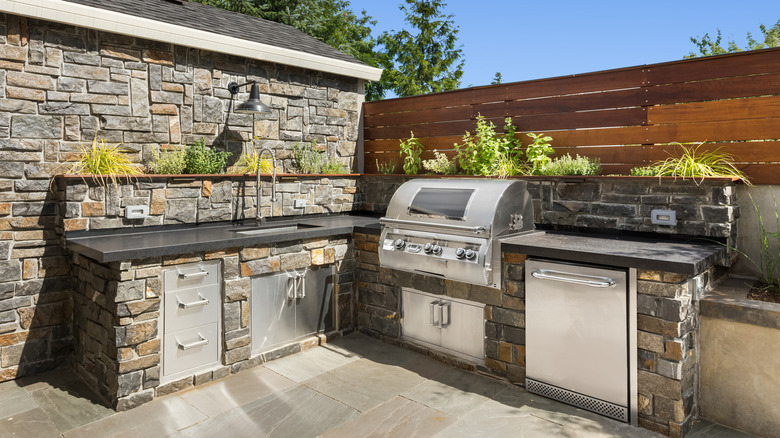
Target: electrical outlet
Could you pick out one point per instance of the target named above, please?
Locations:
(299, 203)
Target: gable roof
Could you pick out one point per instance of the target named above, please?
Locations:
(196, 25)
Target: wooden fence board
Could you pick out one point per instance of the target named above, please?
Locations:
(728, 88)
(749, 108)
(713, 67)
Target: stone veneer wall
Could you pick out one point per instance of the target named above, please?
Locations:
(61, 86)
(117, 311)
(707, 208)
(190, 200)
(666, 324)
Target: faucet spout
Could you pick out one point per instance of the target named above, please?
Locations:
(259, 216)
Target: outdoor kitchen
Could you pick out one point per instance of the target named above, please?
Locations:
(146, 289)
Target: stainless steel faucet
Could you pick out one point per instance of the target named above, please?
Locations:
(259, 217)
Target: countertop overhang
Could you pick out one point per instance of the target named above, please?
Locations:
(144, 242)
(682, 257)
(688, 257)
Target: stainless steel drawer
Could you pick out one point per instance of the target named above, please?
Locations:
(191, 275)
(190, 349)
(188, 308)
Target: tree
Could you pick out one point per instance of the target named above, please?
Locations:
(708, 47)
(497, 79)
(427, 60)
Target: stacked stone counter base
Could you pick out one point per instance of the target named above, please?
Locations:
(666, 324)
(117, 324)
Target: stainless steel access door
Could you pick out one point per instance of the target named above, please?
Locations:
(314, 312)
(577, 335)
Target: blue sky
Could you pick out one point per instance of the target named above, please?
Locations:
(527, 40)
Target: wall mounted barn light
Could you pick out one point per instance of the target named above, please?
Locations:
(251, 106)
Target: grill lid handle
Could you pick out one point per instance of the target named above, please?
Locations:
(480, 229)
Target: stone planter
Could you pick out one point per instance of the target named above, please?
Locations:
(739, 360)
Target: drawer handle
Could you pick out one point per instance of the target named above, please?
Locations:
(203, 341)
(201, 302)
(191, 275)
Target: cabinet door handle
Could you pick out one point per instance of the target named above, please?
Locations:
(191, 275)
(300, 282)
(433, 313)
(444, 311)
(292, 287)
(201, 302)
(203, 341)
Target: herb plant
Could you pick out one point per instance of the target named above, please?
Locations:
(440, 165)
(104, 163)
(307, 158)
(566, 165)
(388, 167)
(333, 166)
(537, 153)
(167, 162)
(201, 159)
(411, 149)
(489, 153)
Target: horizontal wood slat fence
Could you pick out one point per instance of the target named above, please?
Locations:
(625, 117)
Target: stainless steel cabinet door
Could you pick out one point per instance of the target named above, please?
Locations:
(464, 329)
(273, 310)
(420, 317)
(314, 310)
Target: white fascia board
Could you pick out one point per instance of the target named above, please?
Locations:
(114, 22)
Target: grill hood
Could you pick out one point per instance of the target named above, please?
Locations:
(449, 227)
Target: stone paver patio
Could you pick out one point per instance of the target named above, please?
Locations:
(353, 387)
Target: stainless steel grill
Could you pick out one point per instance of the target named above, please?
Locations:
(450, 227)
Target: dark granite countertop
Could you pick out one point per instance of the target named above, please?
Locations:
(690, 258)
(138, 243)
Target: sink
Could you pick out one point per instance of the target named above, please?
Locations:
(268, 229)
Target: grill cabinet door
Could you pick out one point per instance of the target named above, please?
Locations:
(419, 315)
(464, 329)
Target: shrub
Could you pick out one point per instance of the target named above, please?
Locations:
(201, 159)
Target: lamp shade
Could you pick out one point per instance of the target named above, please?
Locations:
(253, 105)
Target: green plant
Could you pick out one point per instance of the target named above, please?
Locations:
(307, 158)
(247, 163)
(440, 165)
(167, 162)
(201, 159)
(695, 164)
(388, 167)
(770, 243)
(566, 165)
(104, 163)
(644, 171)
(333, 166)
(537, 153)
(489, 153)
(411, 149)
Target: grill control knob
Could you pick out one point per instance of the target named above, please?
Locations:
(470, 255)
(428, 248)
(460, 253)
(399, 244)
(436, 249)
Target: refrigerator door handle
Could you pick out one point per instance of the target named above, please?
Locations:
(569, 277)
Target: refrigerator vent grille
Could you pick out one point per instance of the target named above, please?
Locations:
(582, 401)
